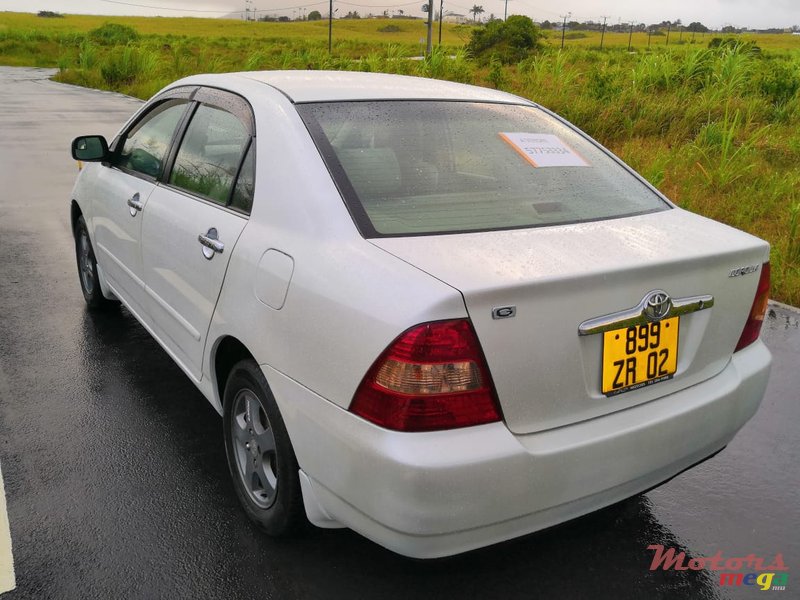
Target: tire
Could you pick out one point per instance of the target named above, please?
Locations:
(260, 456)
(87, 269)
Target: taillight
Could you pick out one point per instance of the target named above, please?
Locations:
(432, 377)
(752, 328)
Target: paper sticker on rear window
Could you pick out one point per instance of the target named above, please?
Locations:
(543, 150)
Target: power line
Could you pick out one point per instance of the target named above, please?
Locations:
(538, 9)
(304, 5)
(464, 8)
(167, 7)
(376, 5)
(252, 11)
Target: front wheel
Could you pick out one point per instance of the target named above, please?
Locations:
(87, 269)
(260, 456)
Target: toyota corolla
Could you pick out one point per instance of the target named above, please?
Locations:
(437, 314)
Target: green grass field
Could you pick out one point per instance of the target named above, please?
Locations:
(717, 130)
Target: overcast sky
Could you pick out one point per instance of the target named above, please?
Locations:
(712, 13)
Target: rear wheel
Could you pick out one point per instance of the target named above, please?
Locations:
(260, 456)
(87, 269)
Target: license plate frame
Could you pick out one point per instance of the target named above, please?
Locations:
(639, 355)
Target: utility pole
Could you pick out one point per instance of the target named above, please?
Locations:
(430, 28)
(669, 26)
(564, 27)
(330, 27)
(603, 34)
(441, 16)
(505, 14)
(649, 35)
(630, 37)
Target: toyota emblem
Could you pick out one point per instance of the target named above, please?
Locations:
(657, 305)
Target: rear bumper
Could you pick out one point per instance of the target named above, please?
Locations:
(435, 494)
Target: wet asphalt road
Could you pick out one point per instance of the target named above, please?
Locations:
(115, 471)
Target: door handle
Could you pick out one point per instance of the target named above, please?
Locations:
(135, 204)
(211, 244)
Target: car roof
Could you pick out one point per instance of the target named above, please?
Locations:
(327, 86)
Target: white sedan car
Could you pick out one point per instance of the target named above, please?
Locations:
(436, 314)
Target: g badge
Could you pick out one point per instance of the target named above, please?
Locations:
(504, 312)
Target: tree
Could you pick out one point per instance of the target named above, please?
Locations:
(697, 27)
(476, 10)
(314, 15)
(507, 41)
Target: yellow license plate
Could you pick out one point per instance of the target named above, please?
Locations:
(639, 355)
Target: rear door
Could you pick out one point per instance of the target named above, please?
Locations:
(122, 189)
(194, 219)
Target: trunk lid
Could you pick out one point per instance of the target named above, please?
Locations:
(545, 373)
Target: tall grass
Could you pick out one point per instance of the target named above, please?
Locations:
(793, 247)
(724, 160)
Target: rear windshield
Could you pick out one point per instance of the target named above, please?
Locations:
(432, 167)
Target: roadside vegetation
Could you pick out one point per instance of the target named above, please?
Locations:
(713, 124)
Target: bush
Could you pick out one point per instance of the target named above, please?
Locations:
(124, 65)
(114, 34)
(389, 29)
(87, 55)
(734, 45)
(314, 15)
(496, 76)
(779, 82)
(509, 41)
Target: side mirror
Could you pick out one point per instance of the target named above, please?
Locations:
(90, 148)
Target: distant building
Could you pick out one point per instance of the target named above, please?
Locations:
(450, 17)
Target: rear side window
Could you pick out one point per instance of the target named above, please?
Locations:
(210, 154)
(146, 144)
(428, 167)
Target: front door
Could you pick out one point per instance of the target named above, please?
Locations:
(120, 198)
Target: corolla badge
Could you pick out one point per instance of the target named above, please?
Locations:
(657, 305)
(743, 270)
